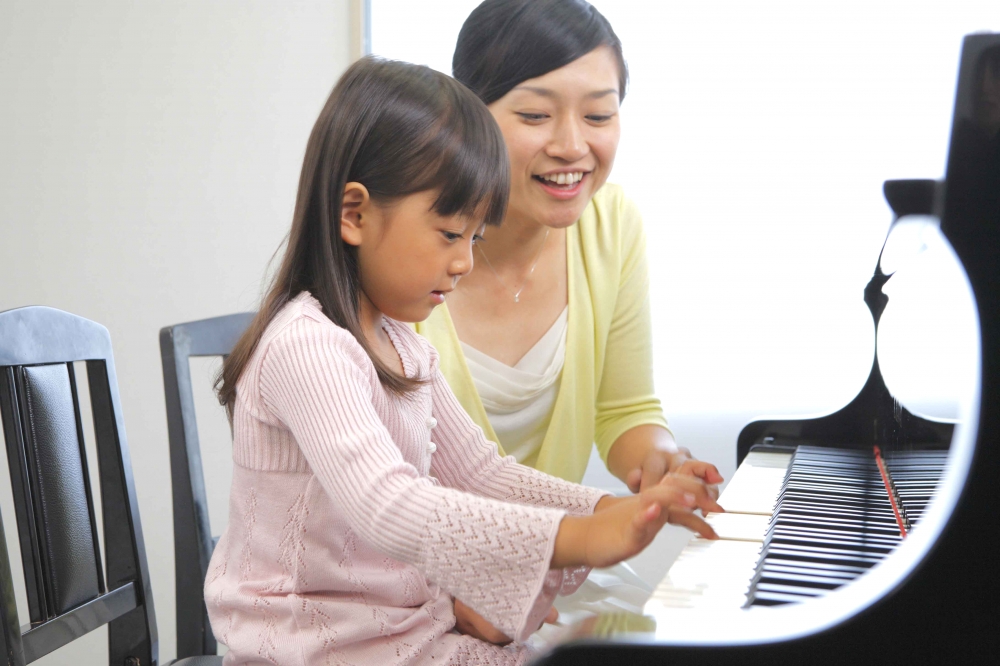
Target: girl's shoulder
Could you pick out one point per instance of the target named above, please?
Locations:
(298, 340)
(306, 312)
(417, 351)
(301, 325)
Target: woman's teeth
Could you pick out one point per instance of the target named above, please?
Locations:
(570, 179)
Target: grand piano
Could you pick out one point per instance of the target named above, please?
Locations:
(867, 535)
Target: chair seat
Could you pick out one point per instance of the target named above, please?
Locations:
(206, 660)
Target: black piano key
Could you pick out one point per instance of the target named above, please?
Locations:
(815, 567)
(799, 581)
(861, 532)
(767, 598)
(833, 545)
(812, 553)
(834, 519)
(789, 589)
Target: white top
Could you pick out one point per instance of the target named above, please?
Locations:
(519, 400)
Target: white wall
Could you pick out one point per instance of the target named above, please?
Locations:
(149, 156)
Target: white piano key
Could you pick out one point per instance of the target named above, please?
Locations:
(709, 574)
(755, 486)
(739, 526)
(717, 574)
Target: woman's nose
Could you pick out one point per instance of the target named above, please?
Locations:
(568, 142)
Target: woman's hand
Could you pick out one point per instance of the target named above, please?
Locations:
(622, 527)
(642, 455)
(471, 623)
(658, 462)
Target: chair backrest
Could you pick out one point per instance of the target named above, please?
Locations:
(68, 594)
(193, 538)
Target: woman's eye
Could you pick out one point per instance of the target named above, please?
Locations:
(533, 116)
(451, 237)
(476, 239)
(598, 119)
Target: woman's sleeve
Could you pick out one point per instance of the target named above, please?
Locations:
(493, 555)
(625, 397)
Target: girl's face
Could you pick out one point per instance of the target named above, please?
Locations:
(409, 256)
(562, 131)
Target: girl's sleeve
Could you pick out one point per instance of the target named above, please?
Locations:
(625, 397)
(466, 460)
(493, 555)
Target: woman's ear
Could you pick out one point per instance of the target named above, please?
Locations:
(356, 204)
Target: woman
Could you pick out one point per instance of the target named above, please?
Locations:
(547, 342)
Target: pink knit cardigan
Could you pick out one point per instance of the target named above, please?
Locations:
(356, 516)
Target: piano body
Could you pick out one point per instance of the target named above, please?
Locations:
(868, 534)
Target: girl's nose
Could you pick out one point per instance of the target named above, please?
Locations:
(568, 142)
(461, 264)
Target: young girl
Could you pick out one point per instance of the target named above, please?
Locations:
(366, 507)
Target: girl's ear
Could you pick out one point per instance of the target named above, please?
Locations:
(357, 202)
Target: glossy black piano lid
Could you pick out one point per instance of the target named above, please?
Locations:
(935, 602)
(874, 417)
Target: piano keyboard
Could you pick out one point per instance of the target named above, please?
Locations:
(799, 525)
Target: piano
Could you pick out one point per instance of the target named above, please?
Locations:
(866, 535)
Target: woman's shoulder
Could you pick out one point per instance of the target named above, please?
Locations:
(611, 206)
(611, 221)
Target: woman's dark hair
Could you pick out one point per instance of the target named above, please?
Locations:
(506, 42)
(397, 129)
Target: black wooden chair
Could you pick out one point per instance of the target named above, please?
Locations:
(193, 539)
(68, 594)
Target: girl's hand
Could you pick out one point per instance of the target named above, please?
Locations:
(471, 623)
(659, 462)
(622, 527)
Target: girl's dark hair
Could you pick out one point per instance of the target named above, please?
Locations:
(397, 129)
(506, 42)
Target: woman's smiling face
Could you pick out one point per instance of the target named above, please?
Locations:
(562, 131)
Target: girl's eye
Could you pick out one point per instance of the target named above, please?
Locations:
(450, 236)
(598, 119)
(533, 117)
(476, 239)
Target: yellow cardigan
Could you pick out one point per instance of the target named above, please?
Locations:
(607, 380)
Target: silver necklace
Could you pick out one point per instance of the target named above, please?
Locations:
(516, 294)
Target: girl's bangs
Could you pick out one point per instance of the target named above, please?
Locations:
(431, 133)
(471, 170)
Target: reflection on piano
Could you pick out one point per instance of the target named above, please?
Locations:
(867, 534)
